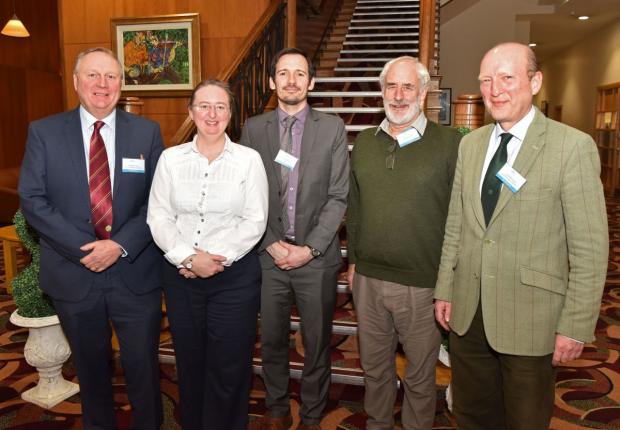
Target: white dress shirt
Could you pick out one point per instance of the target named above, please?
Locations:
(218, 207)
(518, 131)
(107, 133)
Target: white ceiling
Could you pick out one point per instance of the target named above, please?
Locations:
(559, 29)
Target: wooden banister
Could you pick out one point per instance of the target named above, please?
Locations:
(248, 73)
(427, 33)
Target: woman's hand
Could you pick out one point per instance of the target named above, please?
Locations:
(205, 265)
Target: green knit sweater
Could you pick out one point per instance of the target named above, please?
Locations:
(396, 218)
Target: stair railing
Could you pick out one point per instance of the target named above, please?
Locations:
(248, 73)
(326, 33)
(428, 12)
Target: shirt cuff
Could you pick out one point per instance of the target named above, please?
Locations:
(125, 253)
(179, 253)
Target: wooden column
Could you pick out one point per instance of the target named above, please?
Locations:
(468, 111)
(131, 105)
(427, 32)
(291, 19)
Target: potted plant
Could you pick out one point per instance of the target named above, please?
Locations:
(47, 348)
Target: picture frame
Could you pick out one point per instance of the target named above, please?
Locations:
(160, 55)
(445, 101)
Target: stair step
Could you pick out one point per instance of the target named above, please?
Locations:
(389, 7)
(387, 1)
(367, 60)
(339, 375)
(359, 127)
(386, 20)
(376, 51)
(380, 14)
(361, 35)
(383, 27)
(357, 69)
(381, 42)
(344, 94)
(350, 79)
(350, 109)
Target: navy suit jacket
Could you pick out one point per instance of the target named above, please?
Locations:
(54, 197)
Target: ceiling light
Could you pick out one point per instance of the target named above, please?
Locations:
(532, 44)
(14, 27)
(583, 17)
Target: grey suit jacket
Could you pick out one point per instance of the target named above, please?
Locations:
(539, 267)
(323, 182)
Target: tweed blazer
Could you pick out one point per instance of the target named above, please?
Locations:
(539, 267)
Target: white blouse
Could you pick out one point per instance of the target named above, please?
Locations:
(218, 207)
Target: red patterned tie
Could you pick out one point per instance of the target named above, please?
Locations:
(99, 184)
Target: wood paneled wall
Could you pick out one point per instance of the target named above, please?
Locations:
(223, 27)
(30, 80)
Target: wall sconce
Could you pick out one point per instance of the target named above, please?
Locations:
(14, 27)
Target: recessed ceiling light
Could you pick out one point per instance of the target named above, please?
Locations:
(583, 17)
(532, 44)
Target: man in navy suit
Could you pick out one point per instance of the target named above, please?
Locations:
(84, 186)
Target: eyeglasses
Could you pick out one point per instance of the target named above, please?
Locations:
(219, 108)
(390, 159)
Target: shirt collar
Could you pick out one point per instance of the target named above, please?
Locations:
(301, 115)
(419, 124)
(87, 118)
(193, 147)
(519, 130)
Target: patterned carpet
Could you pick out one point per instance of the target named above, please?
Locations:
(587, 391)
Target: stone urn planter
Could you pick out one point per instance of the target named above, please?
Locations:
(47, 350)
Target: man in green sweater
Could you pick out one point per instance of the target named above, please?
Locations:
(401, 177)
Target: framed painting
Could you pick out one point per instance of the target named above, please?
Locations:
(445, 101)
(160, 55)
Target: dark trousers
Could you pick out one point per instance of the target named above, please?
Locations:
(314, 290)
(136, 320)
(213, 324)
(498, 391)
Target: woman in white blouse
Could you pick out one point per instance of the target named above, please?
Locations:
(207, 210)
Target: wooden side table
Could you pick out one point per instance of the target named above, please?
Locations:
(10, 245)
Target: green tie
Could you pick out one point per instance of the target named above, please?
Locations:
(492, 185)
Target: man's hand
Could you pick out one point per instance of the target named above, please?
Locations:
(277, 251)
(103, 254)
(205, 265)
(297, 256)
(350, 275)
(443, 310)
(566, 349)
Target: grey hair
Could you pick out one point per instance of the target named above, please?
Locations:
(85, 52)
(423, 76)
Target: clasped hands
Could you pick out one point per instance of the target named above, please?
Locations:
(288, 256)
(565, 350)
(103, 254)
(204, 265)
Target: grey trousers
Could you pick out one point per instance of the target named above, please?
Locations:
(388, 313)
(314, 293)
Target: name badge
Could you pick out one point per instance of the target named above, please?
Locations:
(133, 165)
(511, 178)
(285, 159)
(407, 137)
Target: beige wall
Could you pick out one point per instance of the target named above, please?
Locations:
(571, 77)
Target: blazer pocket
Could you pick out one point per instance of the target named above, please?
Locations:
(535, 194)
(545, 281)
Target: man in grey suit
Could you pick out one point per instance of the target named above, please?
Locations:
(306, 159)
(525, 252)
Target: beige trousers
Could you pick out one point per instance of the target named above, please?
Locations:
(388, 313)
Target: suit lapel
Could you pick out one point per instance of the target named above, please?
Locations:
(122, 143)
(530, 149)
(307, 142)
(75, 149)
(480, 151)
(272, 131)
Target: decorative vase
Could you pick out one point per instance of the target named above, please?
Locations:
(46, 349)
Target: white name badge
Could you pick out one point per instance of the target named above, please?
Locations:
(285, 159)
(133, 165)
(511, 178)
(407, 137)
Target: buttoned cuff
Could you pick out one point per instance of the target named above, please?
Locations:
(178, 254)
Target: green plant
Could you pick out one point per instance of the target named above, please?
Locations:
(30, 300)
(463, 130)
